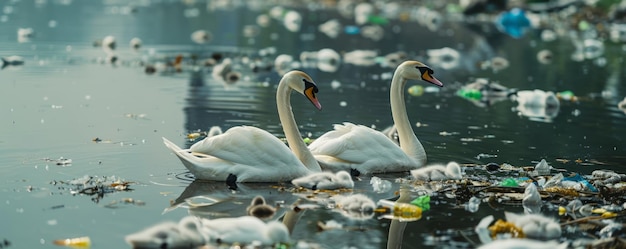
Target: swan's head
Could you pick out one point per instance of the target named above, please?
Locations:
(453, 171)
(302, 83)
(415, 70)
(345, 179)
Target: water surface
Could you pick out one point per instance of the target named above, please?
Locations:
(66, 95)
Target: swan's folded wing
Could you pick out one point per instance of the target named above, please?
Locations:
(355, 144)
(247, 145)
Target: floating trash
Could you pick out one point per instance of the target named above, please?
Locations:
(592, 48)
(484, 93)
(379, 185)
(446, 58)
(61, 161)
(292, 21)
(201, 36)
(12, 61)
(331, 28)
(81, 242)
(373, 32)
(135, 43)
(361, 57)
(25, 34)
(326, 59)
(545, 56)
(537, 104)
(422, 202)
(542, 168)
(513, 22)
(400, 211)
(362, 13)
(473, 204)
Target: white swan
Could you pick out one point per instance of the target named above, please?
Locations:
(185, 234)
(438, 172)
(325, 180)
(356, 206)
(250, 154)
(245, 230)
(356, 147)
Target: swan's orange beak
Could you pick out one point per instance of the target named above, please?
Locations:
(310, 94)
(431, 79)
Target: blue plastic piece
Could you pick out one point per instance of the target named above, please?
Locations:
(513, 22)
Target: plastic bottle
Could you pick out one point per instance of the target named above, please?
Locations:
(400, 211)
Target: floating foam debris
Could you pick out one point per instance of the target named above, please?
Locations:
(379, 185)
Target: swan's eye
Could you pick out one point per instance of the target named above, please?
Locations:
(424, 70)
(308, 84)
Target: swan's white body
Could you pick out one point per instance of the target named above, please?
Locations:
(351, 146)
(245, 230)
(355, 206)
(355, 202)
(325, 180)
(192, 232)
(438, 172)
(252, 154)
(185, 234)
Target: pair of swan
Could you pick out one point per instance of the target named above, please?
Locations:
(250, 154)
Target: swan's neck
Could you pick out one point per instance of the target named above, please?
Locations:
(408, 141)
(294, 139)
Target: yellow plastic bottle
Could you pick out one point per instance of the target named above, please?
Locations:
(400, 211)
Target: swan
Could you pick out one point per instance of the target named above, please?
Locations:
(357, 147)
(260, 209)
(325, 180)
(245, 230)
(184, 234)
(438, 172)
(357, 206)
(250, 154)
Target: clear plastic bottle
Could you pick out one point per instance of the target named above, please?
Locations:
(400, 211)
